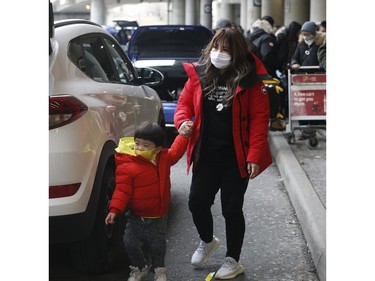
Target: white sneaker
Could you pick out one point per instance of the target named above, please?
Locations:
(230, 269)
(204, 251)
(160, 274)
(136, 274)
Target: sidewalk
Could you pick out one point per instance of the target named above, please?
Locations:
(304, 176)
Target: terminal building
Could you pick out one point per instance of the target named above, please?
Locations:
(202, 12)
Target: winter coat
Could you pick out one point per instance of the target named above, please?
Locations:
(305, 55)
(250, 112)
(266, 45)
(142, 186)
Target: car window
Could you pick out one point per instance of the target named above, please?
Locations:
(123, 66)
(101, 60)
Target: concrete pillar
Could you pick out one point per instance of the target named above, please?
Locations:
(318, 10)
(253, 12)
(190, 16)
(226, 11)
(296, 10)
(178, 12)
(273, 8)
(98, 11)
(243, 14)
(206, 13)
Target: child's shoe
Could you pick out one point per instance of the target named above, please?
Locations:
(136, 274)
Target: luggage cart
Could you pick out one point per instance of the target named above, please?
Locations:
(307, 101)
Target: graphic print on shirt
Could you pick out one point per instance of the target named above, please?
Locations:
(218, 96)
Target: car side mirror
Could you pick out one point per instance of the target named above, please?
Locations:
(150, 76)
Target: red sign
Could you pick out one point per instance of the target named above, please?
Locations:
(308, 78)
(308, 102)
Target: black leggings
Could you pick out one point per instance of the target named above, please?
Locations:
(208, 178)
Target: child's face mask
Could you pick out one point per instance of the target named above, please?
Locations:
(150, 155)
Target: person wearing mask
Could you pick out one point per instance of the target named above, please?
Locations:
(143, 187)
(226, 97)
(306, 54)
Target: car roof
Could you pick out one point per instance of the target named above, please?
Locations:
(67, 22)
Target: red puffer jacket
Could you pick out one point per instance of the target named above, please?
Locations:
(250, 117)
(143, 187)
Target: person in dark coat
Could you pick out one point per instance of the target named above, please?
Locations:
(266, 49)
(306, 53)
(287, 41)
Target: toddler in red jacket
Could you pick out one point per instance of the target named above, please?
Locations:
(143, 187)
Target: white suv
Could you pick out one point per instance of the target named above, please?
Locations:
(96, 97)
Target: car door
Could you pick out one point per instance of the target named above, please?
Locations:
(103, 60)
(143, 97)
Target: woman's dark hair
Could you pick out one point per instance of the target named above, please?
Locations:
(294, 29)
(151, 132)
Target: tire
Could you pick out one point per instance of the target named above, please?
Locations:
(312, 143)
(97, 253)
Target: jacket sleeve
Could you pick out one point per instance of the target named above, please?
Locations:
(123, 191)
(259, 152)
(268, 51)
(177, 149)
(185, 105)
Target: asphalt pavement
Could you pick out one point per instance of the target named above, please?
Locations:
(303, 171)
(285, 220)
(284, 211)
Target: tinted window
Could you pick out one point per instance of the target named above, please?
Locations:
(123, 67)
(101, 60)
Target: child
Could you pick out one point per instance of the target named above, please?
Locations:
(143, 187)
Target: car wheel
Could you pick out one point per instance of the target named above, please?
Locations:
(96, 254)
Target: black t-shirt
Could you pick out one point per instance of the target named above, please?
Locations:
(217, 142)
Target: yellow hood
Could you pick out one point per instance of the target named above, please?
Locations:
(126, 145)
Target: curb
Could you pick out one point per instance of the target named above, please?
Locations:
(309, 209)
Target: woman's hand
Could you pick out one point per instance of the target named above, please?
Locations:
(252, 170)
(186, 128)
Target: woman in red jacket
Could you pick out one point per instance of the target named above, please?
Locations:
(143, 187)
(228, 101)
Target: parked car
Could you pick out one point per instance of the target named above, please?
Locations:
(96, 97)
(165, 48)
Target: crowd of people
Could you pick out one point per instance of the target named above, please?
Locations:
(281, 48)
(233, 96)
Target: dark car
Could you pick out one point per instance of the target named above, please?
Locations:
(165, 48)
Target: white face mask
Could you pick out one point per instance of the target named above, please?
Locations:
(309, 39)
(220, 60)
